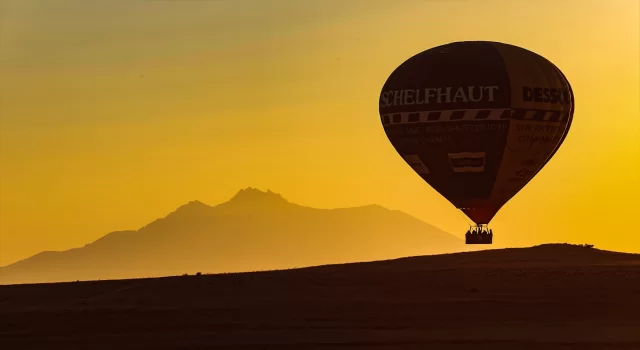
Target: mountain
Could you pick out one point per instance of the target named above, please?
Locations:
(254, 230)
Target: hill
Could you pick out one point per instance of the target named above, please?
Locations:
(554, 296)
(253, 230)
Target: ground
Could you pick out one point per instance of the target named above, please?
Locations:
(548, 297)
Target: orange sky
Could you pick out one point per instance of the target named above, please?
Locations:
(114, 113)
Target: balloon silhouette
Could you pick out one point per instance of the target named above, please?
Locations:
(477, 120)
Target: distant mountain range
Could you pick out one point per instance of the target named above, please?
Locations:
(255, 230)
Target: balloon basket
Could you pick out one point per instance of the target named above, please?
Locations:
(470, 239)
(479, 234)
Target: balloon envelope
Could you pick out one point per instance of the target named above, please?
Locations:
(477, 120)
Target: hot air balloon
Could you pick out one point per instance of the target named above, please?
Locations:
(477, 120)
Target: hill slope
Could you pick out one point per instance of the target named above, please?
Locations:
(545, 297)
(254, 230)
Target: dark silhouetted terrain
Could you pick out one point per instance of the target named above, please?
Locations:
(254, 230)
(545, 297)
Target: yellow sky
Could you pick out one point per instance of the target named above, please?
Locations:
(113, 113)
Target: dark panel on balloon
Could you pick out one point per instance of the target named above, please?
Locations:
(459, 91)
(542, 106)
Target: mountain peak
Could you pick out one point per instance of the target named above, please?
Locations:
(192, 208)
(251, 194)
(194, 205)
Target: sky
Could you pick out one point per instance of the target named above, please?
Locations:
(113, 113)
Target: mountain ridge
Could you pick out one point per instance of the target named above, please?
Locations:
(252, 229)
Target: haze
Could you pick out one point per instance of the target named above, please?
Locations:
(114, 113)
